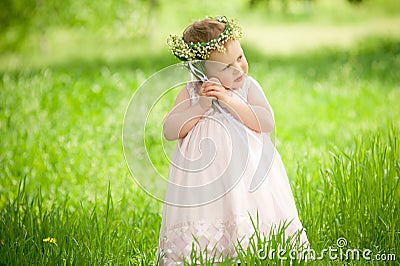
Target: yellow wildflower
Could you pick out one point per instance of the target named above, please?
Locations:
(49, 240)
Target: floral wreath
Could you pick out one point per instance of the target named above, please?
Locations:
(201, 50)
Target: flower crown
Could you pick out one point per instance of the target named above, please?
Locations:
(201, 50)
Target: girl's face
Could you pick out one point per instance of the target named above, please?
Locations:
(233, 68)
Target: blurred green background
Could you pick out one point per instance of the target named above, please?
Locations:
(330, 70)
(50, 32)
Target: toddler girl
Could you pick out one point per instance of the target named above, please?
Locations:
(225, 169)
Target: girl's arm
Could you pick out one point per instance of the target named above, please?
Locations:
(183, 116)
(256, 114)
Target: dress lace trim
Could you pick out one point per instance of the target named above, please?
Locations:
(216, 237)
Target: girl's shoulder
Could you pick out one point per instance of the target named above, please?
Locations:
(252, 82)
(249, 84)
(188, 91)
(253, 85)
(193, 87)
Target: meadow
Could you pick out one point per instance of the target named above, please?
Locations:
(67, 196)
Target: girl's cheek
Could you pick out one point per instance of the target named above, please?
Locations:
(226, 80)
(245, 69)
(245, 66)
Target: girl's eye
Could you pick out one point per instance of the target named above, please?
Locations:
(226, 68)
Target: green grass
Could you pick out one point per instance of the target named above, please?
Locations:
(103, 234)
(61, 139)
(358, 198)
(359, 195)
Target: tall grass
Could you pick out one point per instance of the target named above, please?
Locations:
(358, 195)
(103, 234)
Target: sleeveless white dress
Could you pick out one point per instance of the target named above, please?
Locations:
(221, 174)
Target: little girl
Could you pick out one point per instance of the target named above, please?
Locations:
(225, 169)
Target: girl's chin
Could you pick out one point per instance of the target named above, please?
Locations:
(237, 84)
(233, 84)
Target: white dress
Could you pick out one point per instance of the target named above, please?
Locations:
(222, 173)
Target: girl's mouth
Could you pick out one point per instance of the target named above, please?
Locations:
(238, 79)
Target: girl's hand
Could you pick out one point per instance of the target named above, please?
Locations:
(205, 100)
(213, 88)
